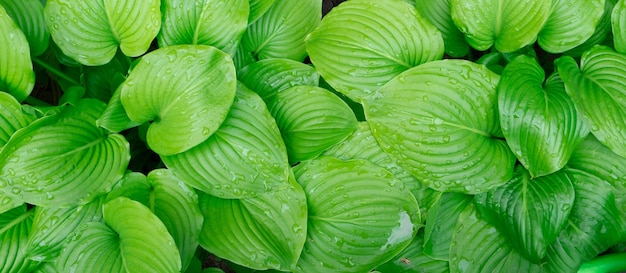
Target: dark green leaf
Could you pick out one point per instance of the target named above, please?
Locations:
(440, 223)
(413, 259)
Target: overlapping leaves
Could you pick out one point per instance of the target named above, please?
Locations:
(16, 70)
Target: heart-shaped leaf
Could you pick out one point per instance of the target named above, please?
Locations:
(12, 117)
(413, 259)
(185, 90)
(244, 158)
(311, 119)
(215, 23)
(539, 121)
(438, 13)
(360, 45)
(63, 159)
(601, 80)
(28, 15)
(529, 212)
(15, 225)
(603, 30)
(131, 239)
(262, 232)
(618, 23)
(426, 120)
(360, 215)
(91, 31)
(571, 23)
(258, 8)
(440, 223)
(16, 70)
(507, 25)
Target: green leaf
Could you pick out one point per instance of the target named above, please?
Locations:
(601, 34)
(258, 8)
(185, 90)
(413, 259)
(15, 225)
(477, 246)
(280, 32)
(114, 118)
(438, 13)
(601, 80)
(102, 81)
(362, 44)
(539, 120)
(63, 159)
(311, 120)
(269, 76)
(426, 120)
(8, 202)
(28, 15)
(440, 223)
(214, 23)
(262, 232)
(571, 23)
(131, 239)
(91, 31)
(530, 213)
(618, 23)
(507, 25)
(360, 215)
(16, 70)
(246, 157)
(12, 117)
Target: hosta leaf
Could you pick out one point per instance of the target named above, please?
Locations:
(360, 215)
(258, 8)
(426, 119)
(8, 202)
(571, 23)
(618, 23)
(114, 117)
(102, 81)
(28, 15)
(213, 22)
(185, 90)
(12, 117)
(529, 212)
(16, 70)
(51, 226)
(600, 35)
(438, 13)
(244, 158)
(477, 246)
(269, 76)
(601, 80)
(360, 45)
(594, 225)
(440, 223)
(413, 259)
(280, 32)
(262, 232)
(15, 225)
(539, 121)
(131, 239)
(507, 25)
(91, 31)
(63, 159)
(311, 119)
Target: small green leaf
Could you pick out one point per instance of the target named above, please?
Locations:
(438, 13)
(362, 44)
(15, 225)
(16, 70)
(507, 25)
(426, 120)
(413, 259)
(28, 15)
(185, 90)
(214, 22)
(440, 223)
(360, 215)
(12, 117)
(258, 8)
(570, 24)
(618, 23)
(311, 119)
(91, 31)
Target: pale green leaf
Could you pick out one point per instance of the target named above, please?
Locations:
(413, 259)
(9, 201)
(114, 117)
(362, 44)
(571, 23)
(28, 15)
(90, 32)
(15, 225)
(426, 120)
(438, 13)
(360, 215)
(185, 90)
(602, 33)
(16, 70)
(258, 8)
(440, 223)
(618, 23)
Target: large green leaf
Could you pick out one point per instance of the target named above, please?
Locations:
(63, 159)
(539, 120)
(529, 212)
(258, 8)
(362, 44)
(185, 90)
(311, 119)
(440, 223)
(438, 13)
(600, 81)
(15, 225)
(506, 25)
(12, 117)
(571, 23)
(601, 34)
(280, 31)
(244, 158)
(360, 215)
(204, 22)
(28, 15)
(478, 246)
(131, 239)
(16, 70)
(262, 232)
(427, 120)
(91, 31)
(618, 23)
(413, 259)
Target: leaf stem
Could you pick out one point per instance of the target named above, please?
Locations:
(605, 263)
(36, 102)
(55, 71)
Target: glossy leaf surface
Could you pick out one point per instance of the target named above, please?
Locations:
(270, 76)
(571, 22)
(28, 15)
(16, 70)
(438, 13)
